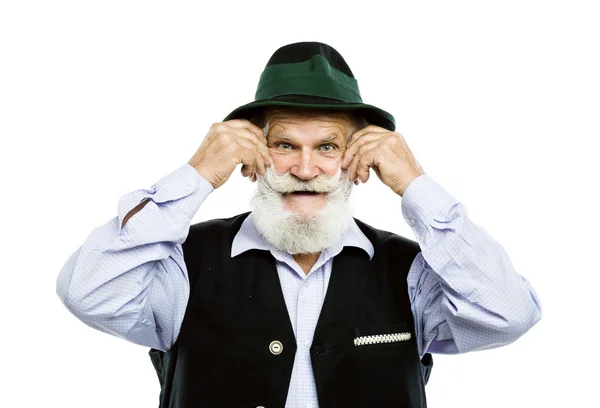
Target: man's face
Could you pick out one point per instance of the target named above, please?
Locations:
(307, 146)
(301, 203)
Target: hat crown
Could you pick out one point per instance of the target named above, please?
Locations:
(304, 51)
(310, 69)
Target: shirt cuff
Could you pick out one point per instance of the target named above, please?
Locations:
(180, 183)
(425, 202)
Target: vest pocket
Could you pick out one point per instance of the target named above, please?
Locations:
(383, 367)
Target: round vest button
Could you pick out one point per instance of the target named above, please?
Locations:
(275, 347)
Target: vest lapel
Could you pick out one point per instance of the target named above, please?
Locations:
(349, 274)
(256, 271)
(262, 319)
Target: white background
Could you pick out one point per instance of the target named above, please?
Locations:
(499, 102)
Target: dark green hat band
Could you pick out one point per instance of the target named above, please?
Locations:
(312, 77)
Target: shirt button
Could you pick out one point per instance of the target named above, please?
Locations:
(275, 347)
(412, 221)
(307, 343)
(309, 405)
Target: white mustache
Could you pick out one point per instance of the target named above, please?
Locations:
(296, 232)
(284, 183)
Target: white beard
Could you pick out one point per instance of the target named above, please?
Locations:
(300, 233)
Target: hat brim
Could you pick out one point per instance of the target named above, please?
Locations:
(370, 113)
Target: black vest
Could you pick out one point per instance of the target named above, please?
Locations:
(236, 309)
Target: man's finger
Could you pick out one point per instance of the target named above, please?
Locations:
(260, 144)
(351, 150)
(245, 123)
(364, 165)
(251, 158)
(360, 159)
(368, 129)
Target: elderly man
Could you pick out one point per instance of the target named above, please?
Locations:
(297, 304)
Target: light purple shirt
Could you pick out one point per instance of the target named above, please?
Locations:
(132, 282)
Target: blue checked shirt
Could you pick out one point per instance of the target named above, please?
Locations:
(132, 282)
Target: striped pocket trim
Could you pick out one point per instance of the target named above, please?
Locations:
(382, 338)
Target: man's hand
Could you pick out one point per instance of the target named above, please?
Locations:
(386, 153)
(228, 144)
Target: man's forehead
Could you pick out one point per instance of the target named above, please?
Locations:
(322, 133)
(331, 124)
(283, 135)
(307, 113)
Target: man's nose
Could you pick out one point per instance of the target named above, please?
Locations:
(305, 167)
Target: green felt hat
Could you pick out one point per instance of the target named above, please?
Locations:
(310, 75)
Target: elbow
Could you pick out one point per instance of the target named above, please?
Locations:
(96, 306)
(523, 319)
(102, 308)
(101, 313)
(67, 282)
(63, 284)
(91, 299)
(74, 303)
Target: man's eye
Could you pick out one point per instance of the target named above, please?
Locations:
(284, 146)
(329, 146)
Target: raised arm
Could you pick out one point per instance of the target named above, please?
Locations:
(464, 290)
(129, 278)
(131, 282)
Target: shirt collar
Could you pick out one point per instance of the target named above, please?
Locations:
(248, 237)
